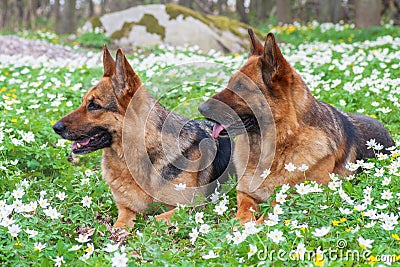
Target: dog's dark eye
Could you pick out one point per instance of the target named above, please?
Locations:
(93, 106)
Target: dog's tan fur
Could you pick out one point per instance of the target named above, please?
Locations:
(102, 113)
(308, 131)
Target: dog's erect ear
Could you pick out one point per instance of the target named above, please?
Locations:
(256, 47)
(273, 59)
(127, 79)
(108, 63)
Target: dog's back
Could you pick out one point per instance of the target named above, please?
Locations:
(369, 128)
(348, 133)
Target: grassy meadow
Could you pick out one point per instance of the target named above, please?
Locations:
(55, 209)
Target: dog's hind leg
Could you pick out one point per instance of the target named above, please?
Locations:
(125, 217)
(247, 206)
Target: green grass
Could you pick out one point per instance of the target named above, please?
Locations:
(33, 98)
(93, 39)
(328, 32)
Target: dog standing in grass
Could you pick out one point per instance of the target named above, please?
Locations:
(144, 155)
(307, 131)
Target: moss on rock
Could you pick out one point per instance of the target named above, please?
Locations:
(96, 22)
(220, 22)
(124, 31)
(219, 25)
(175, 10)
(152, 25)
(225, 24)
(148, 20)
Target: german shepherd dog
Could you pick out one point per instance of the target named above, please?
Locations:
(130, 168)
(307, 131)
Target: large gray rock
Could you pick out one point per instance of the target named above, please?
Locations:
(175, 25)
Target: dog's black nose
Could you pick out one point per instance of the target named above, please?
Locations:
(59, 127)
(204, 109)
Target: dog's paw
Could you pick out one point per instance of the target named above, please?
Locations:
(165, 219)
(166, 216)
(123, 224)
(119, 225)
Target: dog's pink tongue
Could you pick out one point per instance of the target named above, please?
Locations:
(82, 143)
(74, 146)
(217, 129)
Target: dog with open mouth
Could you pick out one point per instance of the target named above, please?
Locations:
(146, 148)
(281, 124)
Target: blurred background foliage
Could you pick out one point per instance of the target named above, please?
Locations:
(66, 16)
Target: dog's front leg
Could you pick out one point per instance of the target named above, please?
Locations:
(247, 206)
(125, 217)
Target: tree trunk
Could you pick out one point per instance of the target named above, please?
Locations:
(368, 13)
(324, 14)
(103, 6)
(337, 11)
(32, 13)
(221, 6)
(261, 11)
(4, 8)
(253, 5)
(91, 8)
(242, 11)
(330, 11)
(396, 12)
(263, 8)
(68, 25)
(57, 17)
(25, 16)
(283, 12)
(46, 8)
(20, 13)
(391, 9)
